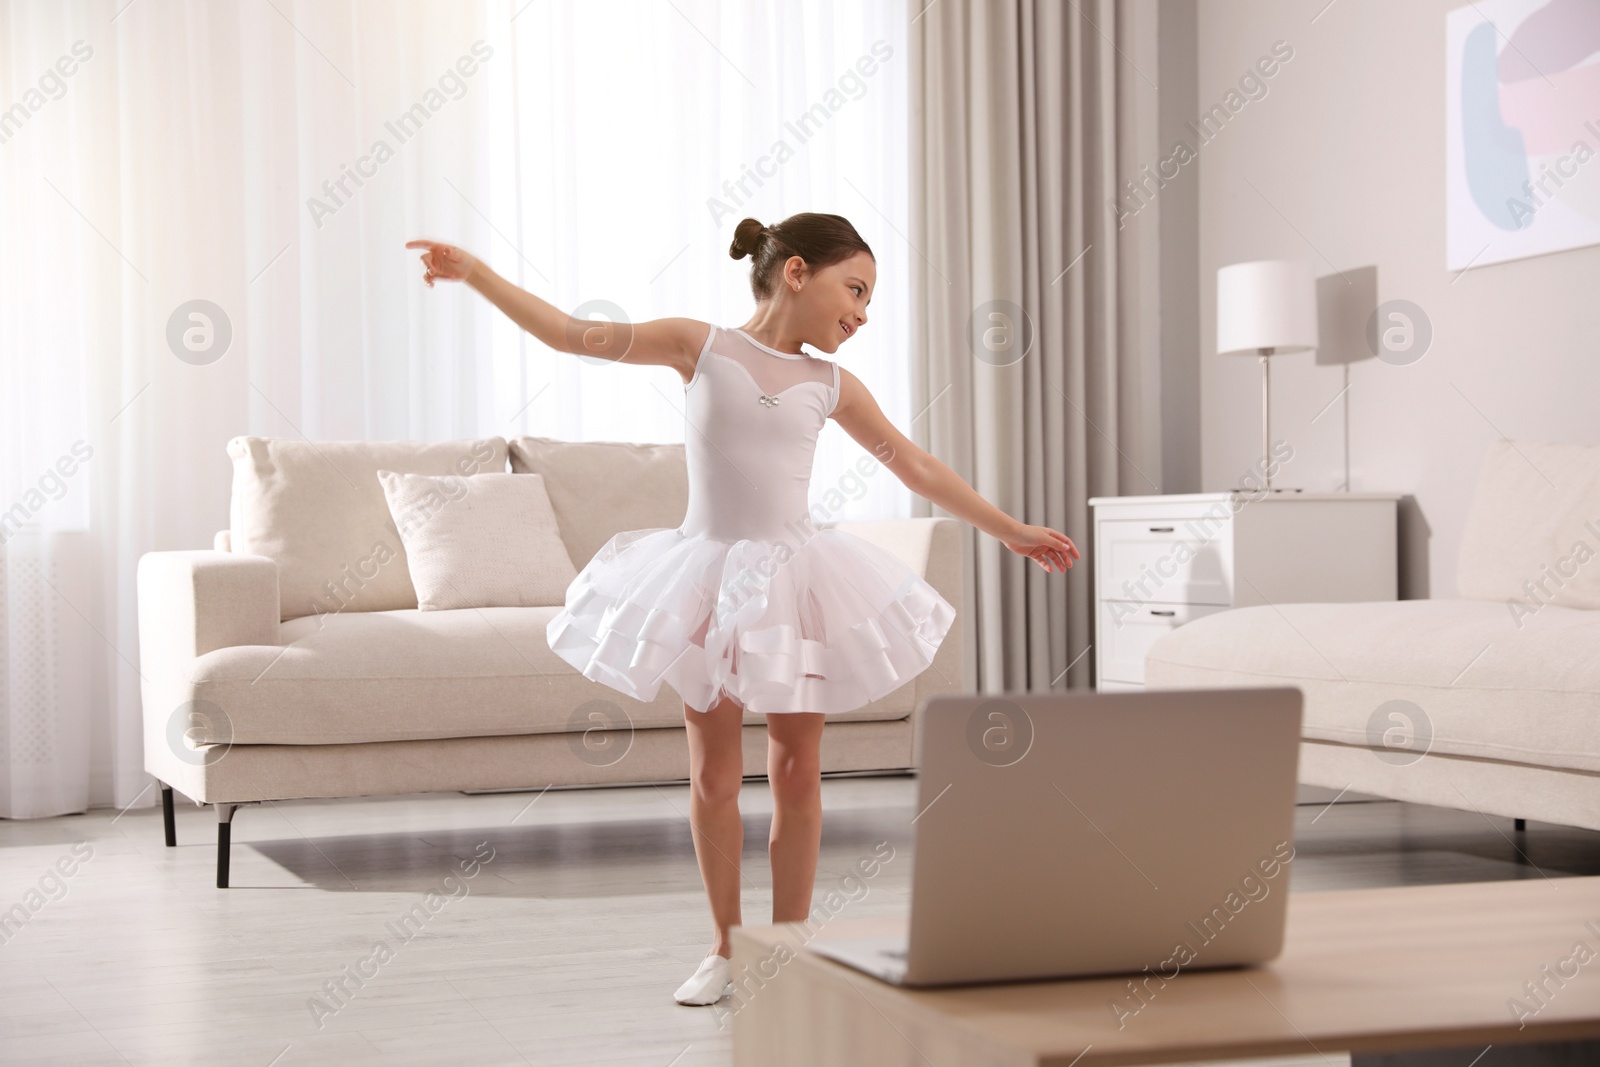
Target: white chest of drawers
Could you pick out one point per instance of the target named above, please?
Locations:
(1162, 561)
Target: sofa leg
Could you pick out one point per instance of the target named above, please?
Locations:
(224, 838)
(169, 822)
(1519, 825)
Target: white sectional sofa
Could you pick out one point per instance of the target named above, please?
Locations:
(291, 659)
(1487, 702)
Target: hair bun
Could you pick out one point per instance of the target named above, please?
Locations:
(747, 238)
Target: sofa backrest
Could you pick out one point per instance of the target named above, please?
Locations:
(1535, 518)
(318, 509)
(600, 488)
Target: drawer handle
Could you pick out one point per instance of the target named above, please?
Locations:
(1161, 529)
(1153, 611)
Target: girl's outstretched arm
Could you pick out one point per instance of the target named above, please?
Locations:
(671, 343)
(860, 417)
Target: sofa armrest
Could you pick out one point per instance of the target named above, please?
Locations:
(933, 548)
(189, 604)
(194, 602)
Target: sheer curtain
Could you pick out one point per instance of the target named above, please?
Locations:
(638, 135)
(204, 209)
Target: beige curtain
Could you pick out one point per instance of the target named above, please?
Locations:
(1034, 313)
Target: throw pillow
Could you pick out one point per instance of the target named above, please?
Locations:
(316, 509)
(479, 541)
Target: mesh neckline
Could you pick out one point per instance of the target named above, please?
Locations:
(774, 351)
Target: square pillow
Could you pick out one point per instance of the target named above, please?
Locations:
(479, 541)
(317, 510)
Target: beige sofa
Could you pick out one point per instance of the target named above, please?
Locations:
(1487, 702)
(291, 659)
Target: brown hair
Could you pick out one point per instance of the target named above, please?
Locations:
(820, 240)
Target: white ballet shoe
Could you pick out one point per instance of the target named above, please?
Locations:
(708, 984)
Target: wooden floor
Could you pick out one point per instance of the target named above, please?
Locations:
(563, 948)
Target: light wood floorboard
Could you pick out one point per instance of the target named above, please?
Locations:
(563, 949)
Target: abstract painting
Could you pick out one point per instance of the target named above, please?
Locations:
(1522, 107)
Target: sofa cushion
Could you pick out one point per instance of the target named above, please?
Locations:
(317, 509)
(1485, 685)
(409, 674)
(1535, 518)
(489, 540)
(600, 488)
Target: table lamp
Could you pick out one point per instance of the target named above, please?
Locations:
(1265, 308)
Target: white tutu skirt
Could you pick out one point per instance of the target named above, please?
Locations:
(826, 626)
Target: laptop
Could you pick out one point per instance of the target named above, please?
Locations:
(1075, 834)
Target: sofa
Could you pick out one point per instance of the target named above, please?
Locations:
(1488, 701)
(291, 660)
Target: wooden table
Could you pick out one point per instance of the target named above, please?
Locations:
(1363, 971)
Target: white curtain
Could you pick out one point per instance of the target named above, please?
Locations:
(269, 159)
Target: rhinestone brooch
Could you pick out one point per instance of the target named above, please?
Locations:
(768, 400)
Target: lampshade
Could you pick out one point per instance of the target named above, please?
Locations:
(1266, 303)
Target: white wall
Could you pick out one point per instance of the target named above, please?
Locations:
(1346, 156)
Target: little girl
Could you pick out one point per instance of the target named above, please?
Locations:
(747, 606)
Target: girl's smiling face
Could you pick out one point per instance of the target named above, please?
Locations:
(833, 301)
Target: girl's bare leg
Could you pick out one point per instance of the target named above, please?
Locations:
(716, 771)
(794, 769)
